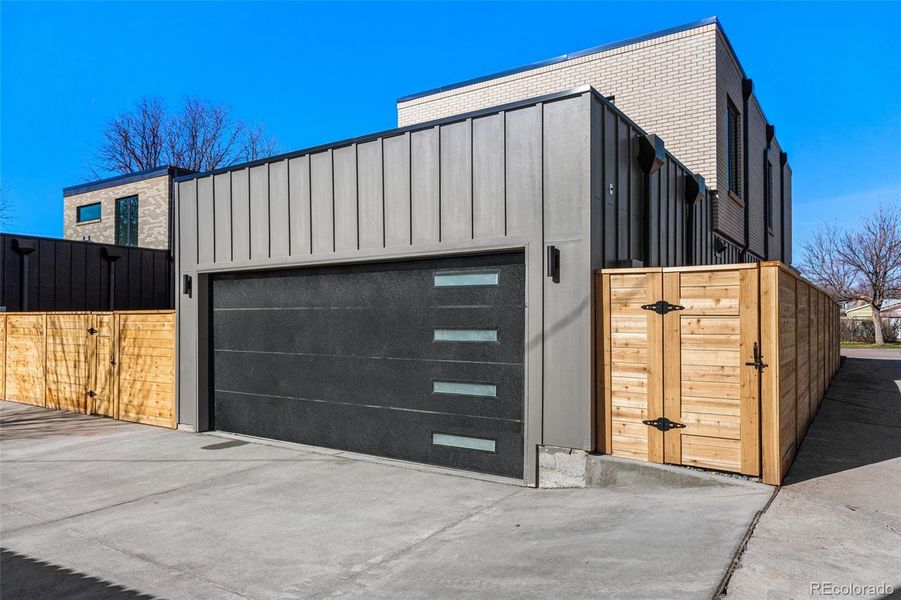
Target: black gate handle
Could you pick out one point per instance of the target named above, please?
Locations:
(758, 359)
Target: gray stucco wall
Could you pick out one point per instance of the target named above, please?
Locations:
(518, 178)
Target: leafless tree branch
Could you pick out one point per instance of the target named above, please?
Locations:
(202, 136)
(861, 264)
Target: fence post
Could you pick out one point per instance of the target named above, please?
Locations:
(769, 388)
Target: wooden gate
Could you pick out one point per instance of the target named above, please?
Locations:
(711, 382)
(677, 384)
(114, 364)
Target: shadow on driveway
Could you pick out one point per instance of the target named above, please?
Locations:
(859, 421)
(26, 577)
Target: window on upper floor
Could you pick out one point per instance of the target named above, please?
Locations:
(127, 221)
(733, 154)
(87, 212)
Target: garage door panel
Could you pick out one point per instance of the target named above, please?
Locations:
(466, 388)
(421, 360)
(458, 281)
(383, 432)
(399, 331)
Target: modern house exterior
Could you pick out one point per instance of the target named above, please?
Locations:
(685, 84)
(127, 210)
(427, 293)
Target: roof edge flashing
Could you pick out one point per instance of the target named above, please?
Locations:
(572, 55)
(116, 180)
(561, 95)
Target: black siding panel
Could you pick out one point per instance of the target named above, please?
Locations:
(67, 275)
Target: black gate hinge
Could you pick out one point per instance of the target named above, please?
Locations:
(663, 424)
(92, 331)
(661, 307)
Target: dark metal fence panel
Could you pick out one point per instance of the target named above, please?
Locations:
(47, 274)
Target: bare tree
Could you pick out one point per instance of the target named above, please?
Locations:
(134, 141)
(256, 143)
(860, 264)
(6, 208)
(201, 136)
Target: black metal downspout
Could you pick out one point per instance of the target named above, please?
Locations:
(24, 249)
(695, 188)
(111, 254)
(768, 189)
(783, 160)
(651, 156)
(747, 88)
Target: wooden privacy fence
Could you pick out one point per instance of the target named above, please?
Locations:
(115, 364)
(721, 367)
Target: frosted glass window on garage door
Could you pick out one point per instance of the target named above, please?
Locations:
(466, 279)
(466, 335)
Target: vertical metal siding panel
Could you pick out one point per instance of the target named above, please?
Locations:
(370, 194)
(488, 204)
(279, 228)
(424, 205)
(610, 189)
(653, 258)
(206, 236)
(624, 162)
(595, 165)
(670, 213)
(222, 206)
(638, 227)
(187, 224)
(240, 187)
(397, 190)
(678, 203)
(787, 226)
(259, 212)
(523, 171)
(321, 204)
(567, 305)
(299, 205)
(345, 174)
(456, 181)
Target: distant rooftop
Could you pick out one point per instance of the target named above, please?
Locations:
(92, 186)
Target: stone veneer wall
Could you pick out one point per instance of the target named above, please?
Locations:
(153, 213)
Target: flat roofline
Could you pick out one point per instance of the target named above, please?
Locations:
(91, 186)
(579, 53)
(561, 95)
(409, 128)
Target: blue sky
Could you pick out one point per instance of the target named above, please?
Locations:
(827, 75)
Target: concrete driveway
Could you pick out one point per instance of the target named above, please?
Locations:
(836, 522)
(134, 511)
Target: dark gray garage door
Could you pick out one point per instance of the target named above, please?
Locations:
(419, 360)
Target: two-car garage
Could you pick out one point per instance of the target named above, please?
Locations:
(418, 360)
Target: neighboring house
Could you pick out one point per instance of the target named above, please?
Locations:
(891, 309)
(684, 84)
(127, 210)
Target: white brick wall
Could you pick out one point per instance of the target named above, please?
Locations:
(668, 85)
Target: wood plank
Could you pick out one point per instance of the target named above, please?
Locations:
(711, 325)
(712, 425)
(769, 401)
(709, 278)
(673, 359)
(749, 301)
(711, 453)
